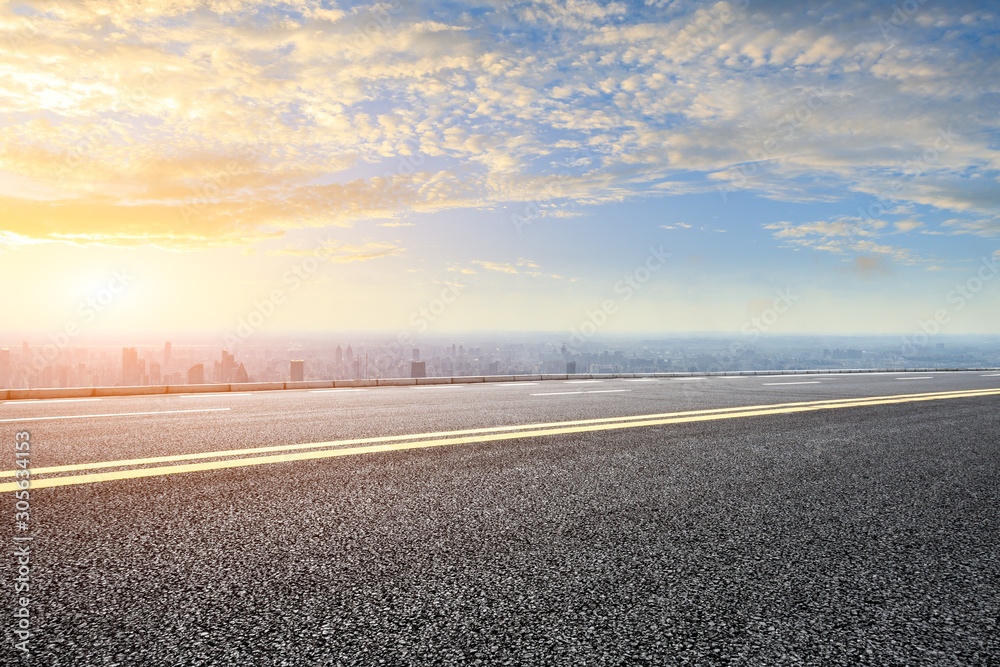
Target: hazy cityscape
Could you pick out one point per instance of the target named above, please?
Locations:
(37, 364)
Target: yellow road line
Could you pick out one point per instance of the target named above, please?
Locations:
(76, 467)
(397, 446)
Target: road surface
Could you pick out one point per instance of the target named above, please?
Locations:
(749, 520)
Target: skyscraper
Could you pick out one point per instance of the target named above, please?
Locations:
(167, 350)
(4, 368)
(338, 356)
(196, 374)
(228, 366)
(297, 370)
(130, 367)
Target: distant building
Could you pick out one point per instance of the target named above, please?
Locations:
(571, 367)
(418, 369)
(338, 356)
(228, 366)
(416, 354)
(130, 367)
(196, 374)
(349, 355)
(167, 352)
(5, 368)
(240, 375)
(154, 373)
(298, 370)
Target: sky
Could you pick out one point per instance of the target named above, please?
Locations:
(668, 166)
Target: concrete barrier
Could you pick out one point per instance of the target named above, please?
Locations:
(257, 386)
(527, 378)
(55, 392)
(499, 378)
(468, 379)
(396, 382)
(434, 380)
(196, 388)
(354, 383)
(131, 391)
(4, 394)
(310, 384)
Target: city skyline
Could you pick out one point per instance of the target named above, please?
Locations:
(246, 168)
(311, 358)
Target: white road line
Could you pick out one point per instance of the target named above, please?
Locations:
(681, 379)
(51, 400)
(328, 391)
(734, 377)
(590, 391)
(581, 381)
(247, 394)
(113, 414)
(921, 377)
(990, 375)
(639, 380)
(768, 384)
(513, 384)
(437, 386)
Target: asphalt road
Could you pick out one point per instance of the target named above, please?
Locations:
(829, 527)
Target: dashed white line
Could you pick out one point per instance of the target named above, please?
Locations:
(639, 380)
(213, 394)
(581, 381)
(51, 400)
(990, 375)
(768, 384)
(329, 391)
(682, 379)
(114, 414)
(513, 384)
(921, 377)
(438, 386)
(589, 391)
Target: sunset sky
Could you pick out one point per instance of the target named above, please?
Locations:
(520, 158)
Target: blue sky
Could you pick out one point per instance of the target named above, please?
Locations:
(527, 155)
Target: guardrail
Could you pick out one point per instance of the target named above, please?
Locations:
(90, 392)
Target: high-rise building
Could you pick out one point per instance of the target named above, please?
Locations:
(154, 373)
(240, 375)
(130, 367)
(167, 352)
(196, 374)
(5, 368)
(416, 354)
(349, 355)
(228, 366)
(418, 369)
(338, 356)
(298, 370)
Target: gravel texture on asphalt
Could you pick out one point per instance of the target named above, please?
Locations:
(865, 536)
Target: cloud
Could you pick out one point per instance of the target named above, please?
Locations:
(340, 253)
(869, 267)
(500, 267)
(907, 225)
(679, 225)
(262, 117)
